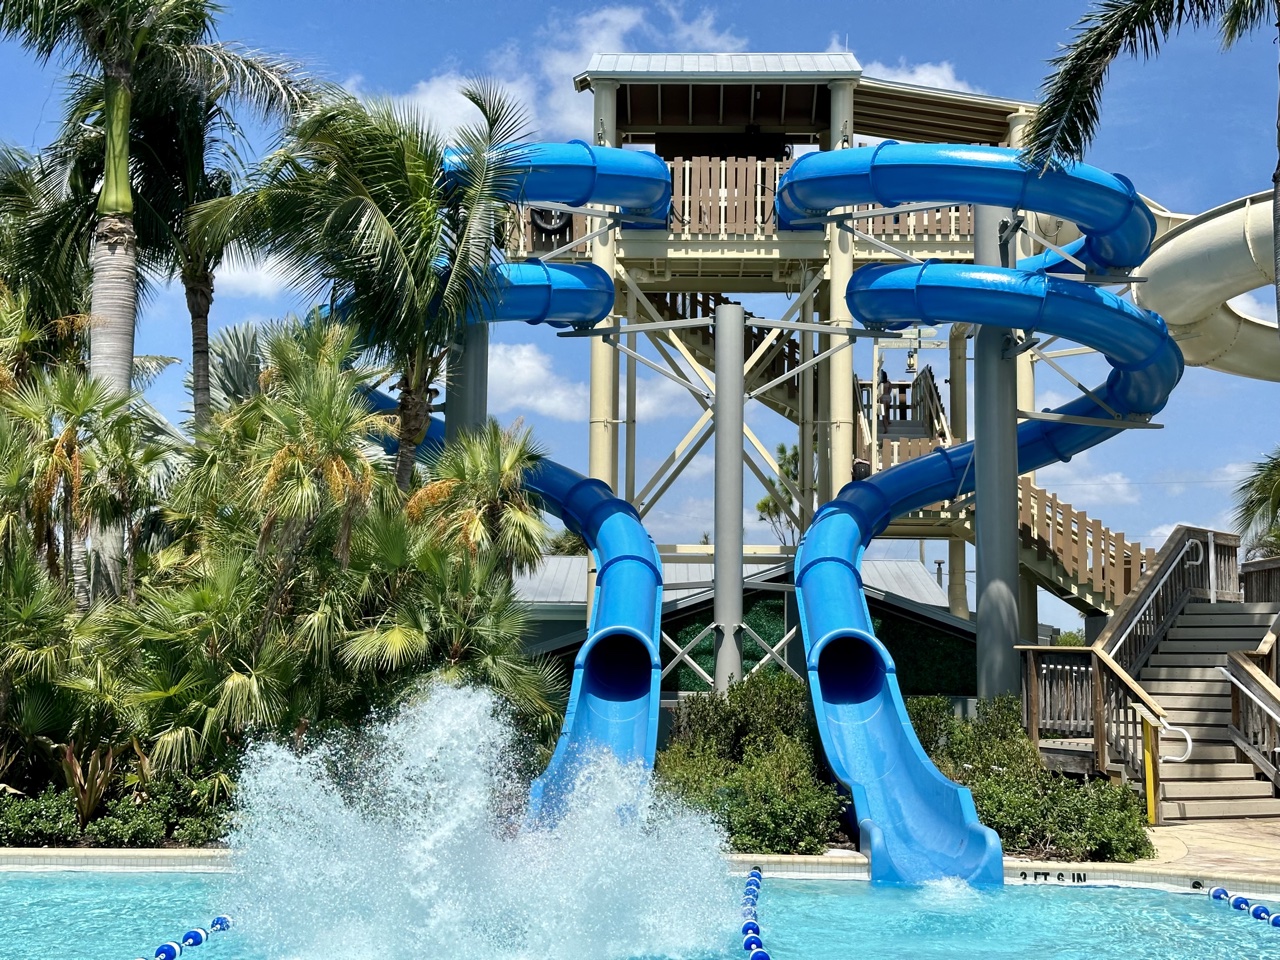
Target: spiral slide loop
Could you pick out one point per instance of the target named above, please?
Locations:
(916, 824)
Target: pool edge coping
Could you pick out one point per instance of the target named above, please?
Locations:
(846, 866)
(1165, 876)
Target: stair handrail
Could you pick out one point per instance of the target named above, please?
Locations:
(1255, 706)
(1178, 573)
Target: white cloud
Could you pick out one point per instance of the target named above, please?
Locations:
(522, 378)
(263, 280)
(1259, 303)
(942, 75)
(538, 71)
(1081, 484)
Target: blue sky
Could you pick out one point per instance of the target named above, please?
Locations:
(1192, 129)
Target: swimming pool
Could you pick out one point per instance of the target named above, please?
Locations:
(119, 916)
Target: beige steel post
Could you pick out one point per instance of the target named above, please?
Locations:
(958, 379)
(629, 471)
(806, 414)
(839, 269)
(1028, 592)
(602, 461)
(824, 405)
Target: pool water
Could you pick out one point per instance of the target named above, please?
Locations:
(119, 916)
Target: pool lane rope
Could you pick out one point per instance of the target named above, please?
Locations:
(172, 949)
(1259, 911)
(751, 942)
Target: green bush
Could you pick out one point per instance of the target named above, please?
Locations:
(130, 821)
(1034, 811)
(749, 758)
(46, 820)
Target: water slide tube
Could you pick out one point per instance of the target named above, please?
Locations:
(1199, 265)
(613, 700)
(916, 824)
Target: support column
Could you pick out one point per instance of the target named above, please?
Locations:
(728, 494)
(839, 270)
(467, 401)
(806, 439)
(602, 461)
(823, 387)
(996, 478)
(958, 380)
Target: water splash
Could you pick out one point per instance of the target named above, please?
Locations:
(401, 844)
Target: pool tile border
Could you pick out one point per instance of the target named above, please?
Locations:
(47, 859)
(1164, 876)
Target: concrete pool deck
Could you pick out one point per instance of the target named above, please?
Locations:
(1242, 855)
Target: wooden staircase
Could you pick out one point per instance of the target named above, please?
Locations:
(1183, 677)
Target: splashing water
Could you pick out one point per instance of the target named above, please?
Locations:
(402, 845)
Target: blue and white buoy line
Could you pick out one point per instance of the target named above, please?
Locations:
(196, 936)
(751, 942)
(1259, 911)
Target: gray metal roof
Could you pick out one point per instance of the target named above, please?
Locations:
(743, 67)
(562, 581)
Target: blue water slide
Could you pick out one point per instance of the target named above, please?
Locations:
(577, 173)
(613, 701)
(916, 824)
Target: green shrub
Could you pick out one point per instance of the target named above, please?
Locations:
(1034, 811)
(201, 830)
(46, 820)
(749, 758)
(130, 821)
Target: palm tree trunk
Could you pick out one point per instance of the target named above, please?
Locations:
(415, 413)
(115, 282)
(79, 563)
(199, 289)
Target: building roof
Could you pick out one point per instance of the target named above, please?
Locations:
(710, 67)
(561, 582)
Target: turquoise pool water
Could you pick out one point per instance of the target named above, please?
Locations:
(114, 916)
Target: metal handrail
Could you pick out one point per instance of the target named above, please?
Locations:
(1235, 682)
(1151, 594)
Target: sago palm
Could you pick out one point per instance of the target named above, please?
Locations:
(357, 207)
(476, 496)
(1067, 120)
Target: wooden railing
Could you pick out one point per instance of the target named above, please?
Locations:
(1255, 704)
(1261, 580)
(1193, 564)
(1090, 553)
(733, 197)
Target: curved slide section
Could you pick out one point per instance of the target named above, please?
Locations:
(1192, 272)
(916, 824)
(577, 173)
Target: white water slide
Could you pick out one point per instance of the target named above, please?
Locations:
(1195, 268)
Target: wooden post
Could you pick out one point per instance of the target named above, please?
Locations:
(1033, 698)
(1151, 769)
(1235, 721)
(1099, 719)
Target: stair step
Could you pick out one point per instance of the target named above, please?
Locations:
(1188, 660)
(1216, 790)
(1207, 646)
(1203, 606)
(1183, 674)
(1218, 809)
(1184, 716)
(1262, 620)
(1201, 752)
(1191, 770)
(1200, 733)
(1188, 688)
(1181, 631)
(1196, 703)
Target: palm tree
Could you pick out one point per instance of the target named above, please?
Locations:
(124, 43)
(1258, 507)
(357, 205)
(476, 496)
(185, 145)
(1067, 119)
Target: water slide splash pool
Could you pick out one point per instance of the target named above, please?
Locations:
(916, 824)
